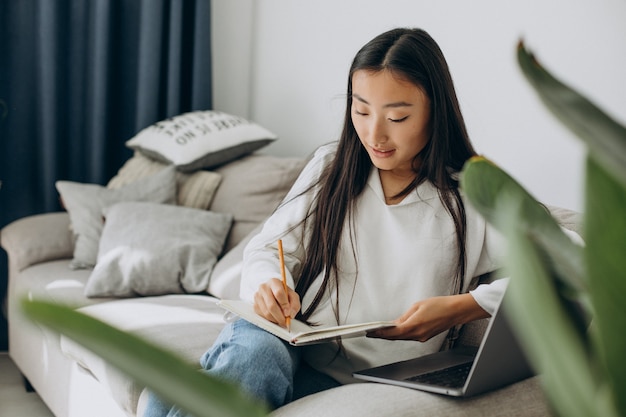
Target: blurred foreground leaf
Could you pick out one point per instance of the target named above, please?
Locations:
(544, 321)
(605, 230)
(546, 315)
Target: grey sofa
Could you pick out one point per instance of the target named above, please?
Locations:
(75, 383)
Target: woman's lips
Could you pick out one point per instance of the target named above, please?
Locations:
(382, 153)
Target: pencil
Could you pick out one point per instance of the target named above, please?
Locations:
(281, 257)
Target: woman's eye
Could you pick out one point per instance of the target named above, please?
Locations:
(402, 119)
(359, 113)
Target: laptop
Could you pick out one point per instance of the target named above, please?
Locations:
(461, 371)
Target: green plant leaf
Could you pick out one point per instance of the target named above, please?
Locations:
(483, 183)
(606, 139)
(547, 331)
(605, 229)
(172, 378)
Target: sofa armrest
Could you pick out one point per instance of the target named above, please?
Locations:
(38, 238)
(569, 219)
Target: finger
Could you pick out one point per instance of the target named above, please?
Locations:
(281, 297)
(294, 303)
(390, 333)
(275, 311)
(265, 304)
(410, 312)
(260, 306)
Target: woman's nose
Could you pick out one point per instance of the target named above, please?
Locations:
(378, 132)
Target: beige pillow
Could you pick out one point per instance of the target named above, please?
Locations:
(252, 187)
(193, 190)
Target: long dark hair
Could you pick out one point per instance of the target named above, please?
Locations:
(414, 56)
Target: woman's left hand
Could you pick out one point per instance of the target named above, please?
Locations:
(429, 317)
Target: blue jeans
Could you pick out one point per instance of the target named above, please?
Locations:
(263, 365)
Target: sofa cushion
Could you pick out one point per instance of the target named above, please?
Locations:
(185, 324)
(85, 203)
(524, 398)
(154, 249)
(200, 139)
(569, 219)
(226, 276)
(194, 190)
(251, 189)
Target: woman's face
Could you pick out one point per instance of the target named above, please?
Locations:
(391, 117)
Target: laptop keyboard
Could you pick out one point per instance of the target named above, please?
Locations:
(453, 377)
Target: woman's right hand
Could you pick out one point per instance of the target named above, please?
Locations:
(272, 302)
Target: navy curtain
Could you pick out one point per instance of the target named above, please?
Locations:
(80, 77)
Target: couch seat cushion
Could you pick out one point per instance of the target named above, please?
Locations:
(54, 281)
(524, 398)
(185, 324)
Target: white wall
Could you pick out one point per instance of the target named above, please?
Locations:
(284, 63)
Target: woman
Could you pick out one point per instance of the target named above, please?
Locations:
(375, 228)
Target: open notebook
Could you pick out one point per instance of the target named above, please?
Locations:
(301, 333)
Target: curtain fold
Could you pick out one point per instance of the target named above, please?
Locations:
(202, 73)
(47, 84)
(97, 59)
(152, 51)
(78, 78)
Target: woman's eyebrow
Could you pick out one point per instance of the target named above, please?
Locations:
(388, 105)
(398, 104)
(361, 99)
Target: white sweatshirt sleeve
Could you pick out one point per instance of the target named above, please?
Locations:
(260, 259)
(488, 296)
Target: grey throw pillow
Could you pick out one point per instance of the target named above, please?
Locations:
(85, 203)
(153, 249)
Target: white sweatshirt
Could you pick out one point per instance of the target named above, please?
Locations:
(403, 253)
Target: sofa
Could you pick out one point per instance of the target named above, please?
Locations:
(73, 382)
